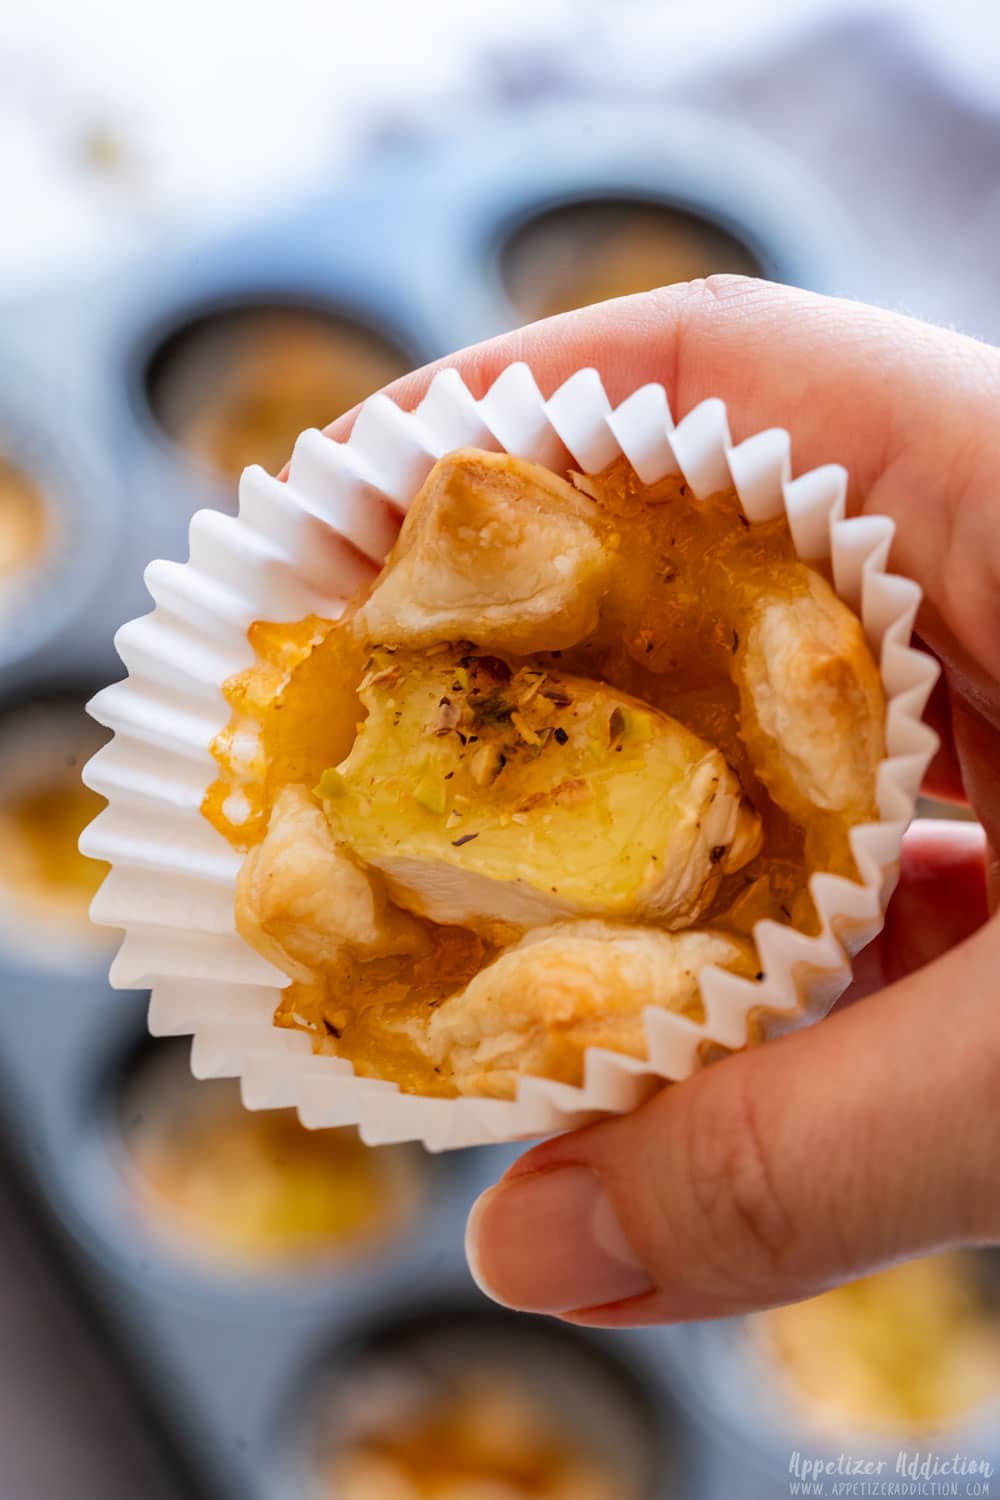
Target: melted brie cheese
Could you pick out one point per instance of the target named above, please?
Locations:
(489, 796)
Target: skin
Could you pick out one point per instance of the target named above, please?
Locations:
(873, 1136)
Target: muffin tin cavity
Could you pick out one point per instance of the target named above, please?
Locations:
(46, 884)
(586, 250)
(235, 384)
(461, 1401)
(252, 1191)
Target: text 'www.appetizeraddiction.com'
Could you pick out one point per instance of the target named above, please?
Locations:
(909, 1473)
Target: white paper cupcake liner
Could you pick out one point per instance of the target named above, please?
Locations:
(304, 547)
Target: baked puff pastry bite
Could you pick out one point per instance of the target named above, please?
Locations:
(562, 989)
(496, 550)
(575, 739)
(305, 903)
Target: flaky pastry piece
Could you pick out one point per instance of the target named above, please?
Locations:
(497, 551)
(562, 989)
(811, 702)
(303, 902)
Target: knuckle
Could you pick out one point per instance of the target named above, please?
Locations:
(723, 286)
(741, 1224)
(689, 299)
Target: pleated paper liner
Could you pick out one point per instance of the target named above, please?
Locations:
(286, 555)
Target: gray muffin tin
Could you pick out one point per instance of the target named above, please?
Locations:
(410, 244)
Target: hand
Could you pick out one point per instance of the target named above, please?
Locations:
(875, 1135)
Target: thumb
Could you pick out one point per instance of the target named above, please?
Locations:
(774, 1174)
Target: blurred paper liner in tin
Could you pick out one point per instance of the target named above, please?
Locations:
(307, 546)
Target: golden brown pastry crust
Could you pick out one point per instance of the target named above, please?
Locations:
(504, 554)
(302, 900)
(811, 702)
(561, 989)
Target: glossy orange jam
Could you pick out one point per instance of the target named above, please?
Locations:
(690, 566)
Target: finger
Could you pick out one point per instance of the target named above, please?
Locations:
(773, 1174)
(939, 902)
(944, 774)
(910, 409)
(977, 741)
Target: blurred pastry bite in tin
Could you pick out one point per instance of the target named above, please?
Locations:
(46, 884)
(457, 1407)
(25, 524)
(485, 1438)
(255, 1190)
(236, 386)
(577, 253)
(913, 1351)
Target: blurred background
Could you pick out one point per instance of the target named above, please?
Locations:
(222, 225)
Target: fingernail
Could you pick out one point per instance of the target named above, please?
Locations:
(551, 1242)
